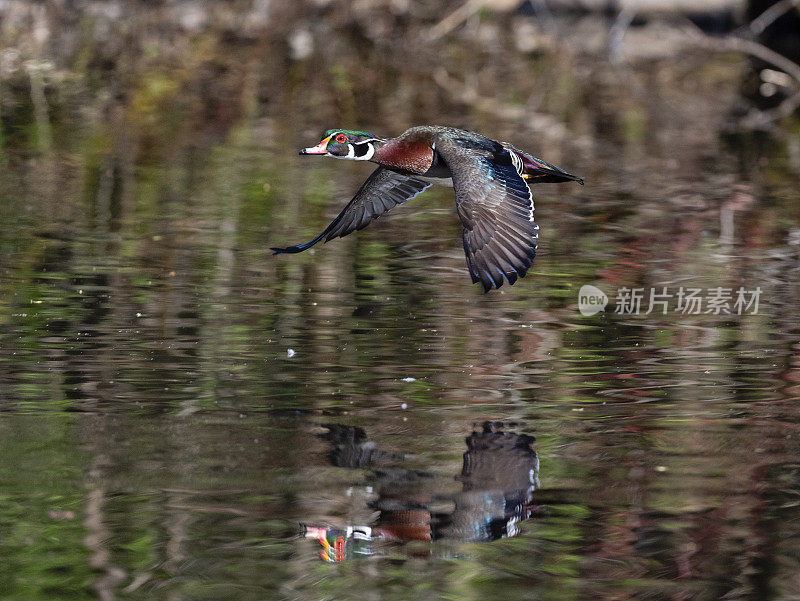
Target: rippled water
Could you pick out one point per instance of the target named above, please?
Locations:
(183, 415)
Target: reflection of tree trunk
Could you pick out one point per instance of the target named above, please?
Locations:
(98, 534)
(44, 138)
(176, 529)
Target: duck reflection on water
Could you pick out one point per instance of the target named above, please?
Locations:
(500, 472)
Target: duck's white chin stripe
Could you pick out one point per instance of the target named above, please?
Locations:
(351, 152)
(367, 155)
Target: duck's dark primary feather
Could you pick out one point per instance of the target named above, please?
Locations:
(495, 205)
(382, 191)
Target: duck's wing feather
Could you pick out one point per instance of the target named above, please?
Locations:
(383, 190)
(495, 205)
(537, 171)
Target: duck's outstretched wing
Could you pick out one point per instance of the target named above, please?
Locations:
(383, 190)
(495, 205)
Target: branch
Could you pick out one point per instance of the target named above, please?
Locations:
(758, 50)
(456, 18)
(756, 118)
(772, 14)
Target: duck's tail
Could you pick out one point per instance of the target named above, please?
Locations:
(536, 171)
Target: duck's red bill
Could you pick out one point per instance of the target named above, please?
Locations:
(321, 148)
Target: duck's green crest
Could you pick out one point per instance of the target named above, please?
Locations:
(353, 132)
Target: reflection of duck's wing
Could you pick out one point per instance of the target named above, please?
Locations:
(500, 460)
(351, 449)
(499, 475)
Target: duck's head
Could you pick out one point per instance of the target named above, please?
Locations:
(346, 144)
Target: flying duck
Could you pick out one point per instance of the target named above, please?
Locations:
(490, 180)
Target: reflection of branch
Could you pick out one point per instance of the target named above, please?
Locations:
(772, 14)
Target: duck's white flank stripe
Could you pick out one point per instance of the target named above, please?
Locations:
(518, 165)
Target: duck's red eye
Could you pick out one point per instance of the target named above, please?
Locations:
(341, 138)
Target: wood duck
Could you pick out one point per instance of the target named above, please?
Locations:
(490, 180)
